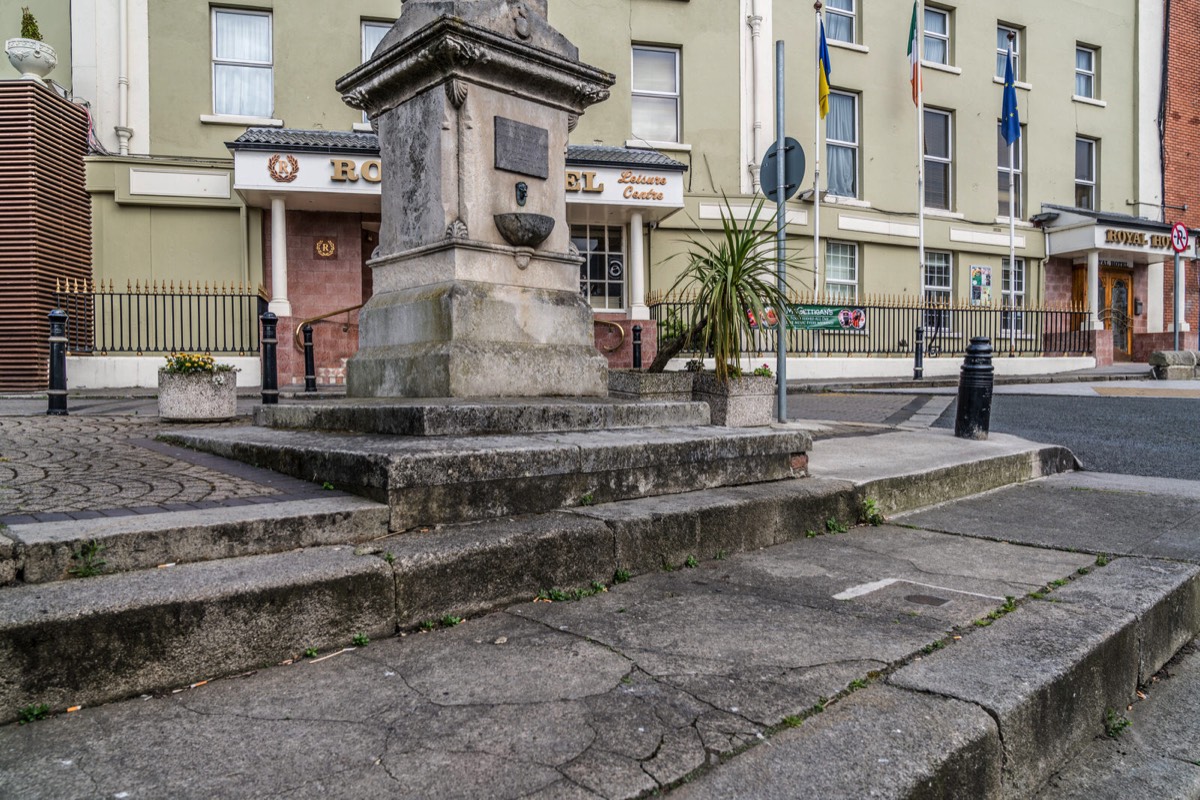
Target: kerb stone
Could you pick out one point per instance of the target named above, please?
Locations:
(1047, 673)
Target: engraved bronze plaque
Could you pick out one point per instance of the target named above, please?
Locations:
(523, 149)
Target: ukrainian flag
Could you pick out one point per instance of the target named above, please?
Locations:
(823, 73)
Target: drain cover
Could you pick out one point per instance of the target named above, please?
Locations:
(926, 600)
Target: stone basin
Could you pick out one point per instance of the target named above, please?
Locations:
(523, 229)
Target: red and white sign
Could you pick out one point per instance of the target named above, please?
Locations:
(1179, 237)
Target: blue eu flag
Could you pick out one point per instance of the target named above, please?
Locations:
(1010, 123)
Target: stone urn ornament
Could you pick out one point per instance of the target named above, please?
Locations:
(192, 387)
(28, 54)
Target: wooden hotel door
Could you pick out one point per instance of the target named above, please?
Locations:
(1116, 310)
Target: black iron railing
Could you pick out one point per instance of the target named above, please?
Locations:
(160, 317)
(887, 327)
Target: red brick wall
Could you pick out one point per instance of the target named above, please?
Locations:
(622, 357)
(319, 285)
(1059, 274)
(1182, 146)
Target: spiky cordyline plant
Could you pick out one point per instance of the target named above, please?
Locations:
(732, 276)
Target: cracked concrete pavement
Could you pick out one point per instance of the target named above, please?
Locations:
(615, 695)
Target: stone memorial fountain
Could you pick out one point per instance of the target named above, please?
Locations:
(476, 294)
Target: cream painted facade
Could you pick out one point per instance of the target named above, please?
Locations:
(167, 208)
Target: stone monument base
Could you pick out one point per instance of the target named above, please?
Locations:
(477, 369)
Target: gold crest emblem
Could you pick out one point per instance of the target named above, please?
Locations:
(283, 169)
(325, 248)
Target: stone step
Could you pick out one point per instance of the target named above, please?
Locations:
(458, 417)
(438, 480)
(98, 639)
(997, 714)
(46, 551)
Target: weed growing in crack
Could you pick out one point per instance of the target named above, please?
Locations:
(588, 499)
(1115, 723)
(1059, 582)
(793, 721)
(327, 486)
(856, 684)
(933, 647)
(360, 640)
(449, 621)
(621, 576)
(428, 625)
(33, 713)
(389, 557)
(811, 534)
(1082, 571)
(691, 562)
(1103, 559)
(720, 556)
(556, 595)
(833, 525)
(87, 560)
(870, 512)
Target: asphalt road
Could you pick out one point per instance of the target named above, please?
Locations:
(1157, 437)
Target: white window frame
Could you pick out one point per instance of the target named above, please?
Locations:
(1090, 74)
(938, 292)
(839, 285)
(268, 65)
(1002, 52)
(945, 38)
(852, 15)
(677, 95)
(585, 285)
(853, 146)
(948, 160)
(370, 23)
(1092, 185)
(1002, 174)
(1010, 299)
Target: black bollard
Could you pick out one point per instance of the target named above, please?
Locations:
(637, 346)
(919, 355)
(975, 391)
(310, 361)
(270, 371)
(57, 392)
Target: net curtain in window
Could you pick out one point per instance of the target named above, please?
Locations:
(242, 64)
(840, 126)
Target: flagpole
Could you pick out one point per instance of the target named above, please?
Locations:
(817, 163)
(920, 45)
(1012, 224)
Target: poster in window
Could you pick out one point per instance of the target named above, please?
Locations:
(981, 285)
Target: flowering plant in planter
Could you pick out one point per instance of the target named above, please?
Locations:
(193, 387)
(191, 363)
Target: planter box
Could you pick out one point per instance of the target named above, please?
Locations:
(632, 384)
(198, 396)
(741, 403)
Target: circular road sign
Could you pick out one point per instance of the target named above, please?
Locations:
(793, 169)
(1179, 237)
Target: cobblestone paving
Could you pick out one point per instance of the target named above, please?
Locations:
(89, 463)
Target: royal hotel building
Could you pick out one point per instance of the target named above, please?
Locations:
(221, 152)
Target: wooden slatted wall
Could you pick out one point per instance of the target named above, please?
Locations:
(45, 221)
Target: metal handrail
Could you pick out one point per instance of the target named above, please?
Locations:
(296, 337)
(620, 331)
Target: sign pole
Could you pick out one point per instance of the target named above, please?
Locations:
(1178, 305)
(781, 234)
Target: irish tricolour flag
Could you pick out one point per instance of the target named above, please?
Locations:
(914, 56)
